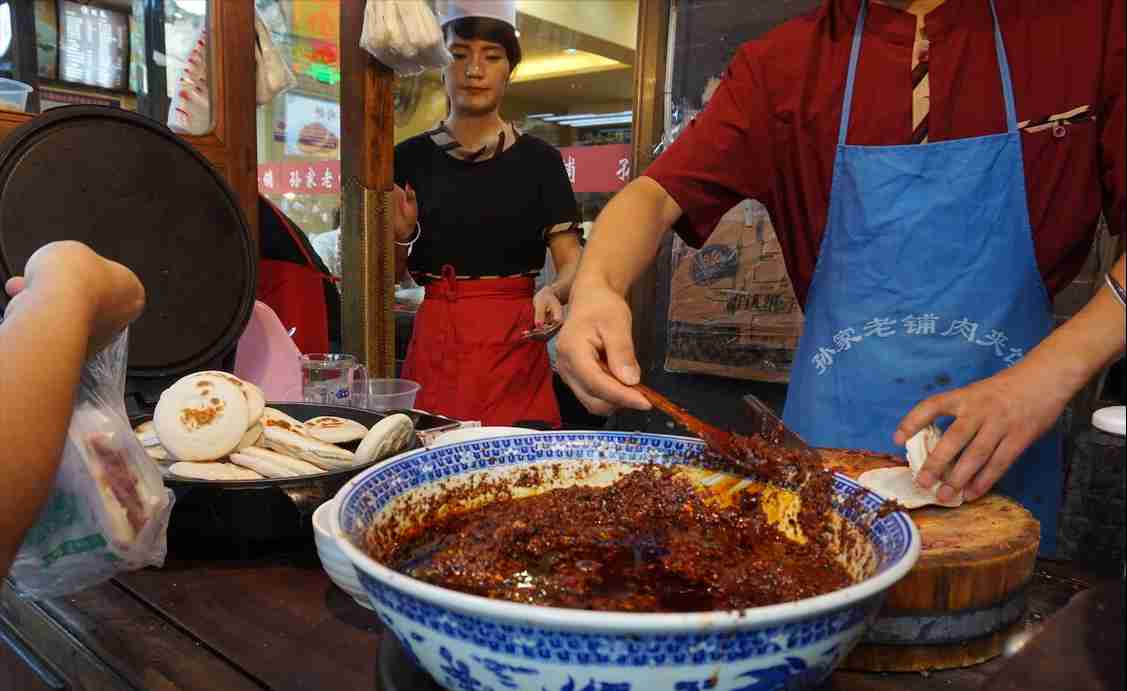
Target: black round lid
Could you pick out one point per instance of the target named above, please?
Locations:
(130, 189)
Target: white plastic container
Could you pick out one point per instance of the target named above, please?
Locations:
(13, 95)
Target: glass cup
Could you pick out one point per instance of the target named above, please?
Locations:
(332, 378)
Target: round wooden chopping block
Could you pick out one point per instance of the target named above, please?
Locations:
(957, 605)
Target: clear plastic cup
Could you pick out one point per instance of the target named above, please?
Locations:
(13, 95)
(392, 394)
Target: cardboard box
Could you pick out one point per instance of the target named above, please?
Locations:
(732, 309)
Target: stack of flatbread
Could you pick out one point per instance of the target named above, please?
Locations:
(215, 426)
(900, 483)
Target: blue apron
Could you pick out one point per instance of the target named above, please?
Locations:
(926, 281)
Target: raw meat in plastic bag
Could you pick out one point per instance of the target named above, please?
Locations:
(108, 511)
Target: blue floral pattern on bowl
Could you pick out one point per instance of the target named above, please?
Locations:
(474, 644)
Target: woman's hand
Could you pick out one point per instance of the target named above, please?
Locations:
(404, 212)
(546, 306)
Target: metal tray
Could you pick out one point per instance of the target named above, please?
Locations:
(214, 518)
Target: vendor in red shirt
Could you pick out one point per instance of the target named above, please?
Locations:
(936, 172)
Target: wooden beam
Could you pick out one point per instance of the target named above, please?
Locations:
(649, 127)
(367, 251)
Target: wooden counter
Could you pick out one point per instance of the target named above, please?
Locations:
(279, 624)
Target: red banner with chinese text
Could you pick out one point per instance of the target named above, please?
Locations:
(311, 177)
(602, 168)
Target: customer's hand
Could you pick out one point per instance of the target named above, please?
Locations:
(106, 293)
(404, 212)
(996, 419)
(597, 330)
(546, 307)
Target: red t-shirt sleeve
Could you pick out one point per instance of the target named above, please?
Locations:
(1113, 127)
(723, 155)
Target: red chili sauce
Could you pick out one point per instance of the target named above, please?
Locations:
(647, 543)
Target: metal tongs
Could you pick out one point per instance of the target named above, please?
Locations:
(734, 447)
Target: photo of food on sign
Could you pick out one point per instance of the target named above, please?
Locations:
(312, 126)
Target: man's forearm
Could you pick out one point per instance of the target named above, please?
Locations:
(1085, 344)
(627, 235)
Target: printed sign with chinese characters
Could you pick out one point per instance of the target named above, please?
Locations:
(604, 168)
(313, 177)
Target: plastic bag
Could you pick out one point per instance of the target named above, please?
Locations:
(404, 35)
(272, 75)
(190, 111)
(109, 509)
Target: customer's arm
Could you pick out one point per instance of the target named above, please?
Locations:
(69, 304)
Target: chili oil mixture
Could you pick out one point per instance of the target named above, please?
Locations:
(647, 543)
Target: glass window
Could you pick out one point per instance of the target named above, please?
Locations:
(148, 56)
(5, 33)
(299, 135)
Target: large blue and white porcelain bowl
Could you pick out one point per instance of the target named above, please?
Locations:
(473, 643)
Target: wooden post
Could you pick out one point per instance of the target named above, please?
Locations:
(367, 251)
(649, 127)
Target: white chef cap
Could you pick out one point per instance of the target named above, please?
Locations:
(453, 10)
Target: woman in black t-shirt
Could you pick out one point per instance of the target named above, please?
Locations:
(477, 203)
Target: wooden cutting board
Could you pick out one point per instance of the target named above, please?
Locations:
(955, 608)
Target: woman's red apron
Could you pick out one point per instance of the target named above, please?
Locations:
(468, 353)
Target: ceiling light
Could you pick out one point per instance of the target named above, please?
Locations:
(600, 122)
(561, 118)
(563, 64)
(577, 117)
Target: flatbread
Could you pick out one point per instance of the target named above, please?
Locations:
(213, 471)
(387, 437)
(252, 437)
(158, 453)
(272, 417)
(335, 430)
(201, 418)
(899, 483)
(296, 445)
(271, 464)
(256, 400)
